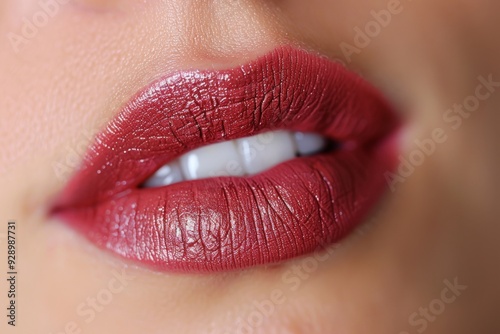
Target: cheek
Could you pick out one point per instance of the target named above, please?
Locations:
(56, 80)
(105, 5)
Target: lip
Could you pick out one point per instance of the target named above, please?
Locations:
(229, 223)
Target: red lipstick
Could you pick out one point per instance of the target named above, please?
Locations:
(228, 223)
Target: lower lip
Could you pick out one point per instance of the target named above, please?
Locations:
(229, 223)
(224, 224)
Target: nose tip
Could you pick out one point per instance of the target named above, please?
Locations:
(222, 29)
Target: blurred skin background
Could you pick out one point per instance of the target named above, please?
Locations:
(437, 226)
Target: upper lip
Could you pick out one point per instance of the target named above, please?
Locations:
(230, 223)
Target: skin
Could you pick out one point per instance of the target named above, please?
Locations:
(68, 81)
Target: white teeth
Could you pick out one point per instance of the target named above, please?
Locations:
(309, 143)
(266, 150)
(221, 159)
(166, 175)
(245, 156)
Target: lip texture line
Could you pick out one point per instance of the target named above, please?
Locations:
(228, 223)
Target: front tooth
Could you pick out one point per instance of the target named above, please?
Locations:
(165, 176)
(266, 150)
(221, 159)
(309, 143)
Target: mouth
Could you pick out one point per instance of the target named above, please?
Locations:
(208, 171)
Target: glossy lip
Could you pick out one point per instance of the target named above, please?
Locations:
(229, 223)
